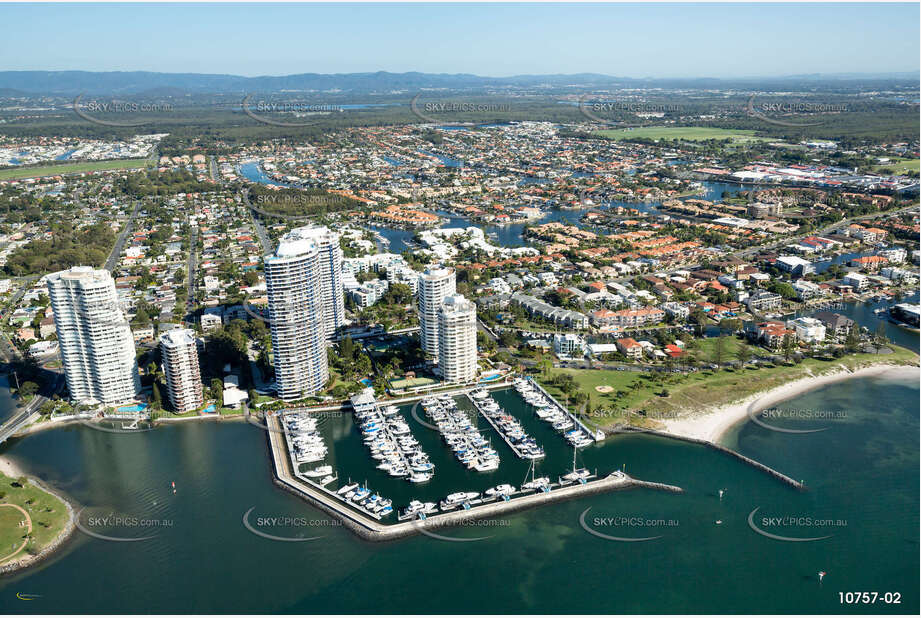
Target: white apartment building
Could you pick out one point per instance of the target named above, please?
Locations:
(327, 243)
(856, 280)
(806, 289)
(294, 288)
(435, 284)
(895, 255)
(179, 352)
(457, 359)
(808, 330)
(97, 347)
(568, 344)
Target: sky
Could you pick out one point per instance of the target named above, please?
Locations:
(625, 40)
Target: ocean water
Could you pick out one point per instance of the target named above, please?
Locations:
(861, 471)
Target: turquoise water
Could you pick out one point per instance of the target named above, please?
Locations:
(862, 469)
(138, 407)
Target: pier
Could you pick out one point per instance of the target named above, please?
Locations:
(373, 530)
(500, 431)
(783, 478)
(597, 435)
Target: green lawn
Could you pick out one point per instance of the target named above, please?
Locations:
(692, 134)
(71, 168)
(48, 515)
(705, 349)
(700, 390)
(899, 166)
(411, 382)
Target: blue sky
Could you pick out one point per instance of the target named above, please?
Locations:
(651, 40)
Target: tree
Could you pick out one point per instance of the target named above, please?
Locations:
(545, 364)
(743, 353)
(879, 337)
(28, 389)
(217, 392)
(719, 349)
(156, 399)
(853, 339)
(347, 348)
(787, 347)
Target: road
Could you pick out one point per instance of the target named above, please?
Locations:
(213, 169)
(8, 351)
(120, 243)
(21, 418)
(264, 239)
(190, 275)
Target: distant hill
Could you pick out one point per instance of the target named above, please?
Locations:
(137, 82)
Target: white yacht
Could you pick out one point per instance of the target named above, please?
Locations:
(321, 471)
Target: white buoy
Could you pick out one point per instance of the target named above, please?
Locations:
(721, 493)
(821, 576)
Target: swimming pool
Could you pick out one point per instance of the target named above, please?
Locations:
(138, 407)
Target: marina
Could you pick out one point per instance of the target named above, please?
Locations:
(548, 410)
(460, 434)
(306, 445)
(390, 441)
(523, 445)
(456, 508)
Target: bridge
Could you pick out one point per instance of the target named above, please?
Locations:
(22, 417)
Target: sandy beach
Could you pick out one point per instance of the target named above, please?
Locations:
(10, 468)
(712, 426)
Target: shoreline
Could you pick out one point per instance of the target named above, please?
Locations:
(10, 467)
(714, 425)
(55, 545)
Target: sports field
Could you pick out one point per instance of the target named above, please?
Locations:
(691, 134)
(71, 168)
(899, 166)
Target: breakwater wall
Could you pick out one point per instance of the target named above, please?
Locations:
(373, 530)
(783, 478)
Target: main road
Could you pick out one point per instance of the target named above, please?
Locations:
(257, 223)
(120, 243)
(23, 416)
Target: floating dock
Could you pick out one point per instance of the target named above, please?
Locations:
(498, 430)
(597, 435)
(373, 530)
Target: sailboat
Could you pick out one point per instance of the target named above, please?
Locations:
(541, 483)
(580, 475)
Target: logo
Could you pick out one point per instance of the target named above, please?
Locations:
(455, 107)
(262, 106)
(754, 418)
(625, 522)
(25, 596)
(305, 200)
(425, 526)
(414, 412)
(95, 525)
(787, 108)
(641, 109)
(117, 107)
(284, 522)
(786, 521)
(133, 426)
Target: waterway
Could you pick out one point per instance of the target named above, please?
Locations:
(862, 314)
(506, 235)
(862, 471)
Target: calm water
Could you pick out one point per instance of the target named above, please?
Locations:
(862, 313)
(863, 470)
(8, 403)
